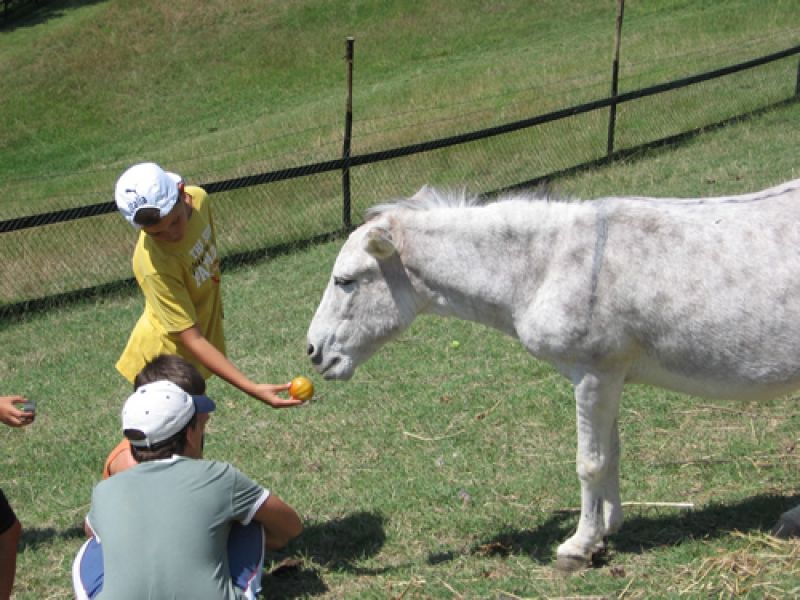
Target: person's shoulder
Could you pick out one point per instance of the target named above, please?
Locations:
(198, 194)
(214, 475)
(147, 246)
(151, 258)
(215, 468)
(188, 462)
(113, 485)
(210, 464)
(144, 246)
(195, 190)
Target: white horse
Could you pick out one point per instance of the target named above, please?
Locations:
(696, 295)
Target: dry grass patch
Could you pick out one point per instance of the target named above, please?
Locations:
(759, 569)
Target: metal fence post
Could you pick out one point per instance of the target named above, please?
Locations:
(348, 130)
(612, 115)
(797, 82)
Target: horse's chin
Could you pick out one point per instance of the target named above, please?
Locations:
(340, 368)
(337, 375)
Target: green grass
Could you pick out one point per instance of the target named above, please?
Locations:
(436, 472)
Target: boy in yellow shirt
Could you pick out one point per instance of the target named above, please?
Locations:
(177, 268)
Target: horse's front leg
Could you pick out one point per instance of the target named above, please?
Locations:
(597, 397)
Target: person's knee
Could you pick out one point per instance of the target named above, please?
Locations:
(17, 527)
(10, 537)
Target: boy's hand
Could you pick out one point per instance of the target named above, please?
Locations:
(13, 415)
(268, 392)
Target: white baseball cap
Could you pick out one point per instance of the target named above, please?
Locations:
(146, 185)
(157, 411)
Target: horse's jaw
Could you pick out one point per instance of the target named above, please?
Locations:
(338, 367)
(333, 359)
(336, 360)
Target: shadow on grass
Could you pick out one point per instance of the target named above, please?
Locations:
(756, 514)
(335, 544)
(37, 12)
(639, 533)
(33, 537)
(536, 543)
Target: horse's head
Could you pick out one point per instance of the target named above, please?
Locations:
(369, 299)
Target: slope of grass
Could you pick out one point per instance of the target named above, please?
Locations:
(222, 88)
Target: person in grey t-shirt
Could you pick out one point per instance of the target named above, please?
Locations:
(164, 523)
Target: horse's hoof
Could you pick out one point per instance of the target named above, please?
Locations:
(785, 529)
(571, 564)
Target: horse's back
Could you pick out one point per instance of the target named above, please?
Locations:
(788, 190)
(708, 290)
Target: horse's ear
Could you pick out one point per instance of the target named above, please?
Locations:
(423, 193)
(379, 243)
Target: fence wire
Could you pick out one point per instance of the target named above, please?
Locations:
(260, 211)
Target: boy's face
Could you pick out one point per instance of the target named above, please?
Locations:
(172, 228)
(197, 436)
(202, 421)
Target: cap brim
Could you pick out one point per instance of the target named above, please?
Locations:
(203, 404)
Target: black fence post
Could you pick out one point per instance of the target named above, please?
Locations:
(612, 114)
(797, 81)
(348, 130)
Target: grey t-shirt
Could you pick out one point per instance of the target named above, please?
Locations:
(164, 528)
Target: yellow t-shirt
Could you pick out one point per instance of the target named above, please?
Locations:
(181, 286)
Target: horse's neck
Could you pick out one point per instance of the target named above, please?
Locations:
(474, 263)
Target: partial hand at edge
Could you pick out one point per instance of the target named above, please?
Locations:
(12, 415)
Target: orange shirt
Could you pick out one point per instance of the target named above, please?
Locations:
(123, 446)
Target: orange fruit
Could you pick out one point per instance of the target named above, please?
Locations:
(301, 388)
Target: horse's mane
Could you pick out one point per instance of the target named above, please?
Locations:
(429, 198)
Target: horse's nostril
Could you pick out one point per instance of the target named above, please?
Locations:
(316, 357)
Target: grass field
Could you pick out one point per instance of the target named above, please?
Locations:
(437, 472)
(230, 87)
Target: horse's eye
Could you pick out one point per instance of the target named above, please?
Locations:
(343, 281)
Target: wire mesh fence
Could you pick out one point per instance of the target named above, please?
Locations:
(71, 250)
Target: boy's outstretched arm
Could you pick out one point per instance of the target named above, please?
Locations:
(216, 362)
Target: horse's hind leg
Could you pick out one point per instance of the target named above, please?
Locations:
(597, 398)
(612, 504)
